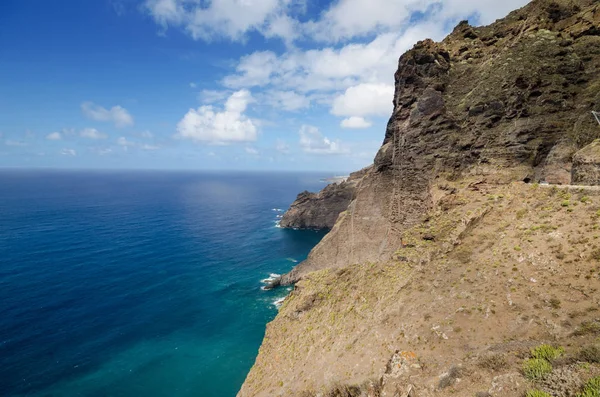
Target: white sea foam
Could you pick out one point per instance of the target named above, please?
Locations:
(278, 302)
(292, 260)
(277, 210)
(272, 277)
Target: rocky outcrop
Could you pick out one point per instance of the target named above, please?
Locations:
(321, 210)
(586, 165)
(506, 102)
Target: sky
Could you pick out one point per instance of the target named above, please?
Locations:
(209, 84)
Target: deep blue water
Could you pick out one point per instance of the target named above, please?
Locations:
(139, 283)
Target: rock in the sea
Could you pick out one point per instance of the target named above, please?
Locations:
(321, 210)
(586, 165)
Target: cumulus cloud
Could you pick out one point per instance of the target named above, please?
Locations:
(355, 123)
(92, 133)
(68, 152)
(231, 19)
(312, 141)
(286, 100)
(209, 125)
(213, 96)
(342, 20)
(365, 100)
(117, 114)
(54, 136)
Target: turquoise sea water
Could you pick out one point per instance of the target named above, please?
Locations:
(139, 283)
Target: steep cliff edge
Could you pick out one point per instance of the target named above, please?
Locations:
(510, 101)
(321, 210)
(451, 262)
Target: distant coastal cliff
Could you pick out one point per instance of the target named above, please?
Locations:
(321, 210)
(466, 245)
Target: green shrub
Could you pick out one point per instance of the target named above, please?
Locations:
(537, 393)
(591, 388)
(536, 368)
(547, 352)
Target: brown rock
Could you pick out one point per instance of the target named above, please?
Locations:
(321, 210)
(586, 165)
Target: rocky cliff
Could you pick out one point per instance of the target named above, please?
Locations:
(321, 210)
(451, 262)
(507, 102)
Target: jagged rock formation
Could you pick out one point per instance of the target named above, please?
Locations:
(506, 102)
(321, 210)
(586, 165)
(450, 262)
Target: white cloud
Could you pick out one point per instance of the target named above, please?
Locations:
(210, 19)
(365, 100)
(355, 122)
(122, 141)
(251, 150)
(193, 85)
(207, 124)
(117, 114)
(92, 133)
(101, 151)
(254, 70)
(146, 134)
(342, 20)
(213, 96)
(54, 136)
(149, 147)
(68, 152)
(286, 100)
(312, 141)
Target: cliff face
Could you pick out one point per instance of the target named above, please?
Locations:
(321, 210)
(506, 102)
(451, 262)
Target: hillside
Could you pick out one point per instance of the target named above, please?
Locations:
(452, 261)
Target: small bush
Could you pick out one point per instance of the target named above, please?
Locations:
(536, 368)
(591, 388)
(494, 362)
(590, 354)
(587, 328)
(555, 303)
(547, 352)
(537, 393)
(565, 203)
(340, 390)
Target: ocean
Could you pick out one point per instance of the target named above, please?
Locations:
(140, 283)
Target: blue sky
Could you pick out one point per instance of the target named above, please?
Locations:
(208, 84)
